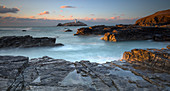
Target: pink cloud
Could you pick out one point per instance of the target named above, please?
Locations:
(94, 18)
(32, 16)
(61, 10)
(61, 16)
(71, 16)
(67, 7)
(43, 13)
(87, 18)
(112, 18)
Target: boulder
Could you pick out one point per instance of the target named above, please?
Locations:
(159, 18)
(26, 41)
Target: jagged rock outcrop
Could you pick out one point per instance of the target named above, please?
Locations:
(27, 41)
(73, 24)
(159, 18)
(95, 30)
(141, 33)
(56, 75)
(154, 58)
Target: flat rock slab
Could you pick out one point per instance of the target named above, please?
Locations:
(42, 74)
(10, 68)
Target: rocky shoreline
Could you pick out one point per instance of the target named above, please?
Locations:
(127, 32)
(138, 70)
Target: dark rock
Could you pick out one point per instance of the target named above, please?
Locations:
(11, 69)
(51, 74)
(159, 18)
(141, 33)
(26, 41)
(24, 30)
(155, 58)
(95, 30)
(168, 46)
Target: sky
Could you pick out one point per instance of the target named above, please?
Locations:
(51, 12)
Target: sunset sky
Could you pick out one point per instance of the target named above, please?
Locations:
(51, 12)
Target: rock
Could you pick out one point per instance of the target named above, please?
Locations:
(73, 24)
(46, 73)
(26, 41)
(11, 69)
(24, 30)
(159, 18)
(168, 47)
(95, 30)
(155, 58)
(141, 33)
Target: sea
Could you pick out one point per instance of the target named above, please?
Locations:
(76, 48)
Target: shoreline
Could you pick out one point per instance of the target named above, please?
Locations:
(58, 74)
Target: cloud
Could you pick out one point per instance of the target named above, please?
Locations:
(43, 13)
(92, 14)
(32, 16)
(61, 16)
(112, 18)
(61, 10)
(4, 9)
(71, 16)
(115, 18)
(67, 7)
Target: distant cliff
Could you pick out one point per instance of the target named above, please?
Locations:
(158, 18)
(73, 24)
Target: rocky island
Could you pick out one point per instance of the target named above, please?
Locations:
(76, 23)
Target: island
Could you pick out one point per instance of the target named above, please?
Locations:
(75, 23)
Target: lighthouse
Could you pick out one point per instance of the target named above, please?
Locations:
(75, 20)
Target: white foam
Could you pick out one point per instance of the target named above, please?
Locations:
(30, 28)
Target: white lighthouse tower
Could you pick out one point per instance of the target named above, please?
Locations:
(75, 20)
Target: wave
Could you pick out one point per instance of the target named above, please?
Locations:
(30, 28)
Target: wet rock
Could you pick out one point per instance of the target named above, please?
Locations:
(95, 30)
(168, 47)
(155, 58)
(26, 41)
(24, 30)
(143, 33)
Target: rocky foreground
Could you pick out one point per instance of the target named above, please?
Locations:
(144, 70)
(26, 41)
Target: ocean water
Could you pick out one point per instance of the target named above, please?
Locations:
(75, 48)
